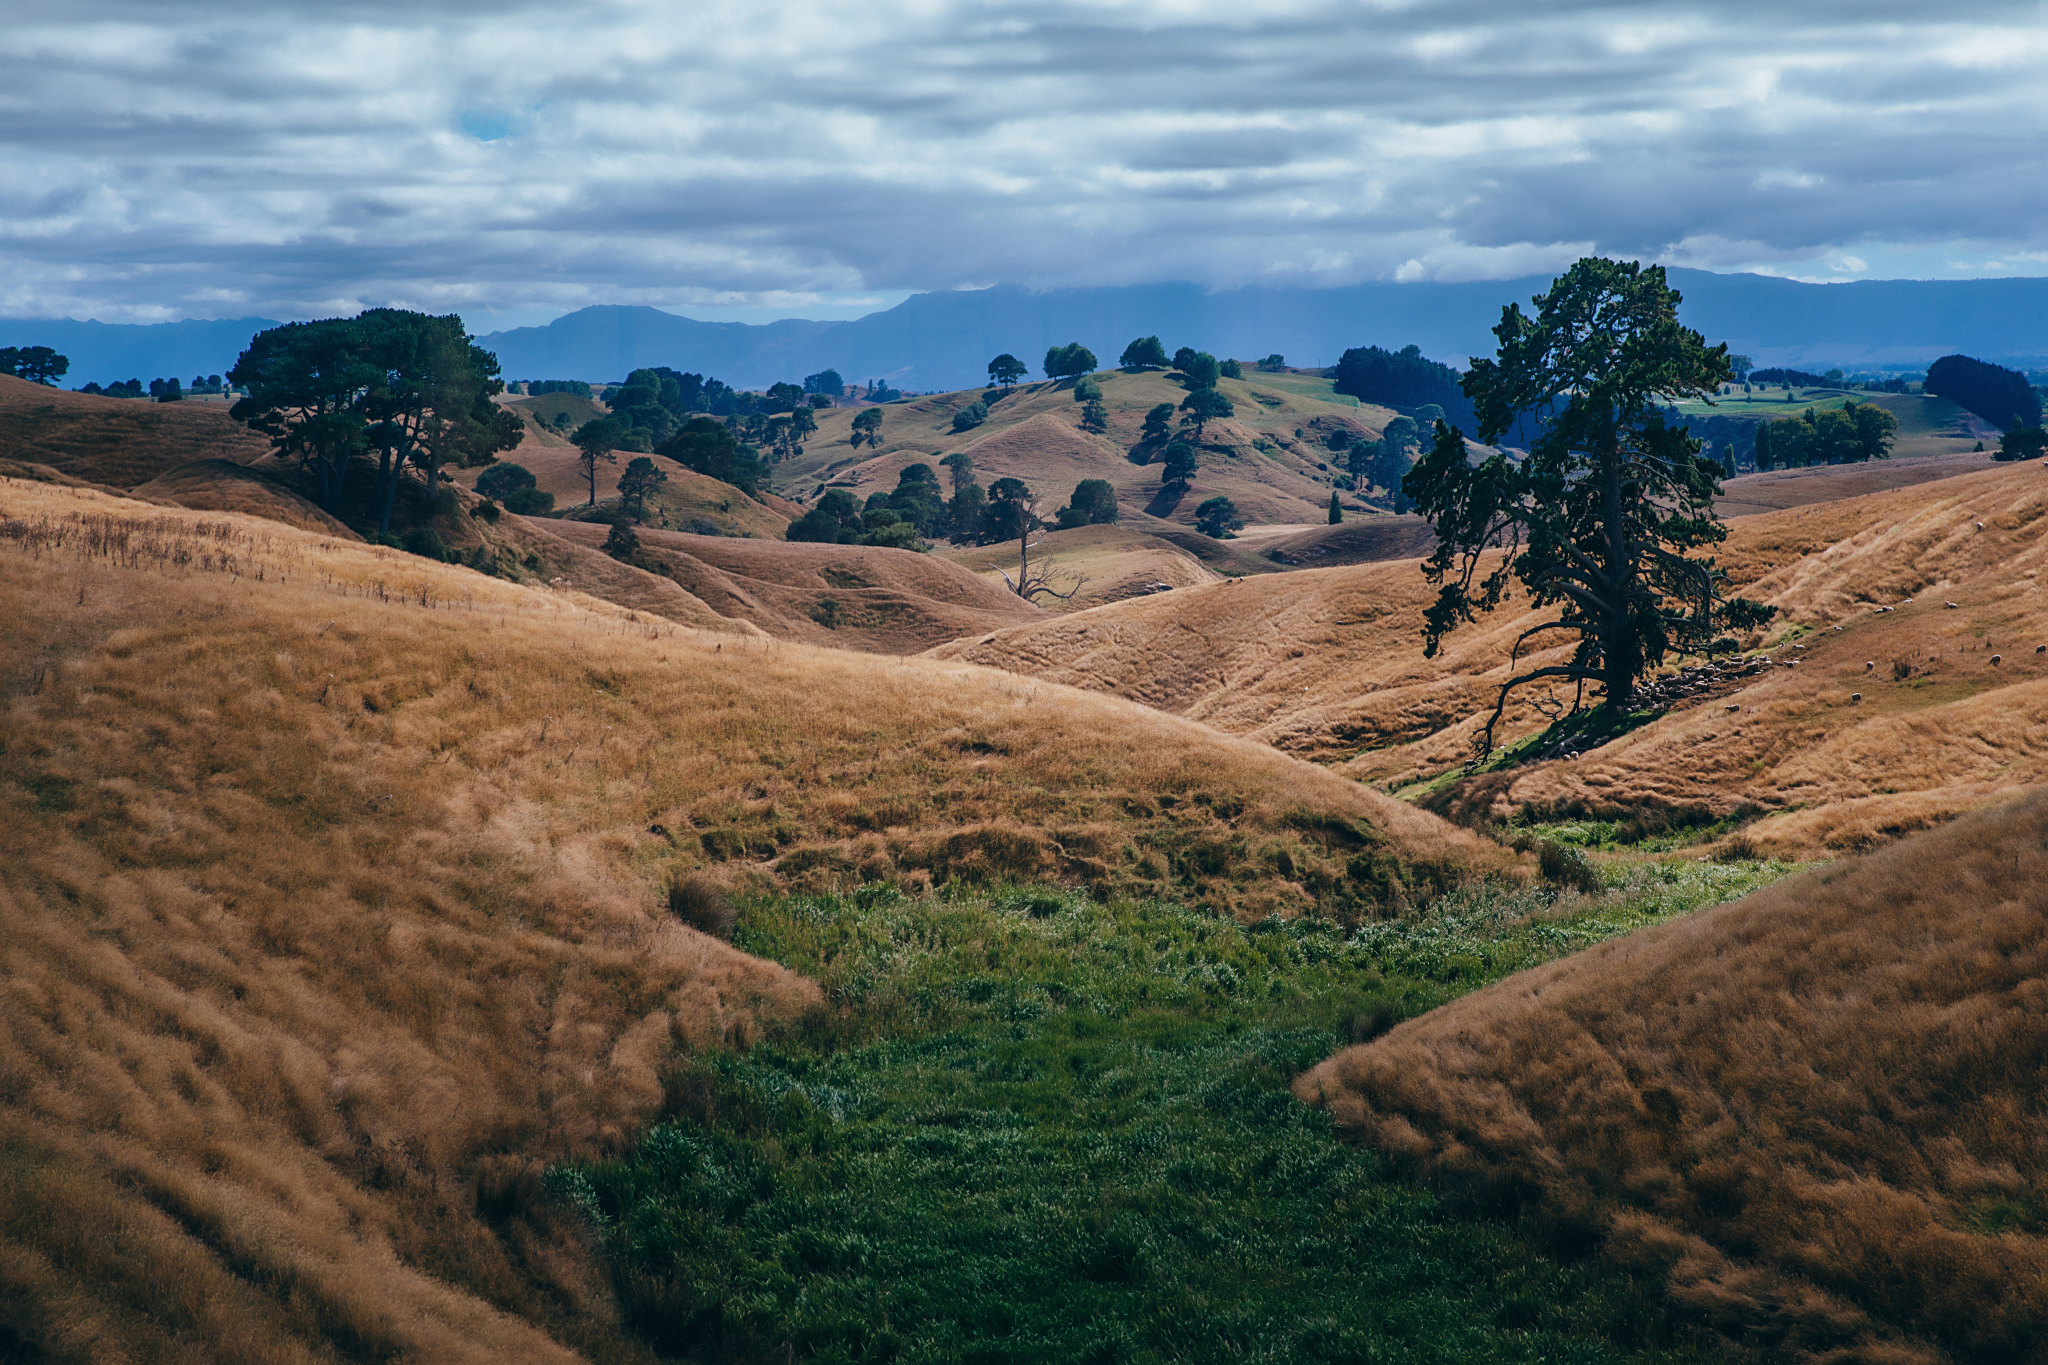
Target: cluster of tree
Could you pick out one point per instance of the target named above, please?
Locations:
(170, 390)
(1998, 395)
(1599, 518)
(2022, 442)
(1404, 380)
(37, 364)
(1069, 361)
(513, 485)
(1846, 435)
(1205, 403)
(917, 510)
(824, 384)
(540, 388)
(898, 519)
(1777, 377)
(411, 388)
(1088, 393)
(878, 391)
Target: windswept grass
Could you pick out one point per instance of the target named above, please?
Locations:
(1034, 1127)
(334, 899)
(1816, 1111)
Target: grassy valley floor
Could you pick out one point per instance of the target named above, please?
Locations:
(1032, 1127)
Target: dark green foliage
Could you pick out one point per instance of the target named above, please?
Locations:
(1996, 394)
(1143, 354)
(971, 416)
(1093, 504)
(1274, 363)
(1232, 370)
(1845, 435)
(1403, 379)
(964, 512)
(960, 465)
(622, 543)
(709, 447)
(1094, 417)
(426, 542)
(1201, 369)
(2022, 443)
(918, 500)
(1178, 464)
(783, 397)
(1217, 517)
(1600, 517)
(1029, 1127)
(1006, 370)
(1008, 515)
(1788, 378)
(542, 387)
(1065, 362)
(503, 479)
(826, 383)
(529, 502)
(38, 364)
(1158, 422)
(834, 519)
(595, 441)
(867, 428)
(1087, 390)
(1336, 511)
(642, 477)
(1204, 406)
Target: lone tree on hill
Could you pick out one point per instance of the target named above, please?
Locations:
(867, 427)
(1217, 517)
(1179, 464)
(1158, 422)
(1204, 406)
(1336, 510)
(1093, 504)
(642, 477)
(1064, 362)
(1013, 511)
(1601, 514)
(1146, 353)
(1006, 370)
(595, 441)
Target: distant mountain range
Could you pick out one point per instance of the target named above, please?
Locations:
(945, 340)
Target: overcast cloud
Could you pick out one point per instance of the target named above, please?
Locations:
(514, 162)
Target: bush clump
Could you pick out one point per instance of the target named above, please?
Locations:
(702, 904)
(1567, 867)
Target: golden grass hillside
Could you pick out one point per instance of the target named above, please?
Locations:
(119, 442)
(1814, 1113)
(861, 597)
(1271, 458)
(1328, 664)
(333, 890)
(689, 501)
(1097, 564)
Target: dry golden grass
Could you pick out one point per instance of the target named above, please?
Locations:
(687, 498)
(844, 596)
(1777, 489)
(1816, 1111)
(225, 486)
(1034, 434)
(332, 900)
(1328, 664)
(119, 442)
(1116, 562)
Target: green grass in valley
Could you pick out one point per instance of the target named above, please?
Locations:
(1033, 1128)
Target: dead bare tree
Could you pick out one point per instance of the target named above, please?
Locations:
(1026, 584)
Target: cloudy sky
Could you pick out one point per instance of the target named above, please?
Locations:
(748, 161)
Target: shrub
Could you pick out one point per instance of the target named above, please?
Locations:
(971, 416)
(1232, 370)
(1563, 866)
(1086, 389)
(702, 904)
(487, 509)
(426, 542)
(530, 502)
(622, 543)
(502, 479)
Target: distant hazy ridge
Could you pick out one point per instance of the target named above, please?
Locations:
(943, 340)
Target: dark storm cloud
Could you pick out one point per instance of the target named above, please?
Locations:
(257, 158)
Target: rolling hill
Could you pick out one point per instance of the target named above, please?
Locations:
(1855, 725)
(1812, 1113)
(117, 442)
(332, 903)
